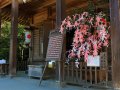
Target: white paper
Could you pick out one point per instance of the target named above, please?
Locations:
(93, 61)
(2, 61)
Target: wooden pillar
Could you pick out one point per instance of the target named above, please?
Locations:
(60, 15)
(13, 39)
(31, 50)
(60, 12)
(115, 41)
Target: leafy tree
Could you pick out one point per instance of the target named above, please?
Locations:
(5, 40)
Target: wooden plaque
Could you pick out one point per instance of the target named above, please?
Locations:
(54, 46)
(103, 60)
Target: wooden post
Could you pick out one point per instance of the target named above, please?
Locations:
(60, 12)
(60, 15)
(13, 39)
(115, 41)
(31, 44)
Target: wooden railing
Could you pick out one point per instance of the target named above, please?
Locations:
(4, 69)
(87, 76)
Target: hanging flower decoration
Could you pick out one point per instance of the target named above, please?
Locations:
(91, 34)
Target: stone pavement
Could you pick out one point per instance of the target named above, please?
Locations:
(25, 83)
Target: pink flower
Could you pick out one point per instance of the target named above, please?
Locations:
(61, 29)
(86, 56)
(72, 54)
(76, 23)
(105, 43)
(76, 39)
(85, 42)
(95, 47)
(103, 20)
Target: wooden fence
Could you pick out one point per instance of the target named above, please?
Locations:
(88, 76)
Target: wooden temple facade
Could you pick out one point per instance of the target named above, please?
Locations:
(47, 15)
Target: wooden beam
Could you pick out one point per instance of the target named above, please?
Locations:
(45, 4)
(84, 5)
(13, 39)
(115, 42)
(6, 15)
(5, 3)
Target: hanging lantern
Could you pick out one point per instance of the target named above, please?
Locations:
(27, 37)
(28, 34)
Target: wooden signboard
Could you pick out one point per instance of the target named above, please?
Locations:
(54, 46)
(54, 50)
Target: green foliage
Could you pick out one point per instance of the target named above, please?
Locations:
(5, 40)
(20, 41)
(21, 36)
(5, 33)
